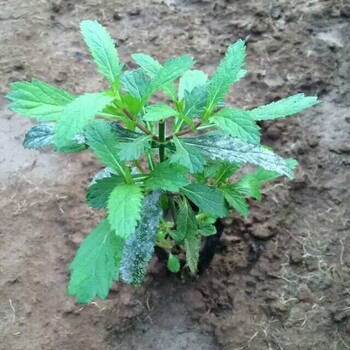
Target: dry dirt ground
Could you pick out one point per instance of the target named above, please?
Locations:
(280, 280)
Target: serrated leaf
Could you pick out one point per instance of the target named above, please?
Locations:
(135, 83)
(195, 101)
(207, 198)
(221, 147)
(224, 171)
(171, 70)
(151, 67)
(192, 246)
(159, 111)
(139, 247)
(208, 230)
(134, 150)
(237, 123)
(98, 193)
(96, 264)
(249, 186)
(187, 156)
(167, 177)
(77, 115)
(228, 72)
(102, 49)
(39, 136)
(235, 199)
(283, 108)
(38, 100)
(101, 137)
(190, 80)
(124, 209)
(173, 263)
(186, 223)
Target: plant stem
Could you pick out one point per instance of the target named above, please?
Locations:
(139, 167)
(184, 131)
(161, 138)
(139, 125)
(172, 208)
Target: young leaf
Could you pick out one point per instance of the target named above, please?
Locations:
(207, 198)
(249, 186)
(151, 67)
(134, 150)
(98, 193)
(283, 108)
(171, 70)
(190, 80)
(77, 115)
(124, 209)
(195, 101)
(186, 223)
(96, 264)
(173, 263)
(38, 100)
(101, 137)
(39, 136)
(238, 123)
(227, 73)
(234, 150)
(192, 246)
(208, 230)
(225, 171)
(159, 111)
(139, 246)
(135, 83)
(187, 156)
(102, 49)
(167, 177)
(235, 199)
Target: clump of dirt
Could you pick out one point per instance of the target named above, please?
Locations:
(280, 279)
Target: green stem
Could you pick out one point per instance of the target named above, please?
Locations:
(150, 159)
(161, 137)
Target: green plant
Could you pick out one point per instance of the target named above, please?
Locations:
(161, 187)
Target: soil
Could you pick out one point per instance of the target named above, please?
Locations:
(280, 279)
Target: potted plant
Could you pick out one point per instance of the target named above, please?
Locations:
(173, 163)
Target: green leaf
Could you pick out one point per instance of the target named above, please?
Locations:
(238, 123)
(195, 101)
(151, 67)
(167, 177)
(101, 137)
(208, 230)
(224, 171)
(159, 111)
(102, 49)
(220, 147)
(135, 83)
(190, 80)
(283, 108)
(38, 100)
(192, 246)
(124, 135)
(98, 192)
(229, 72)
(96, 264)
(187, 156)
(134, 150)
(171, 70)
(235, 199)
(209, 199)
(77, 115)
(39, 136)
(186, 223)
(248, 185)
(124, 209)
(139, 247)
(173, 263)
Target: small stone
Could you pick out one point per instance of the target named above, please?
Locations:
(312, 142)
(196, 301)
(273, 133)
(296, 256)
(263, 232)
(117, 16)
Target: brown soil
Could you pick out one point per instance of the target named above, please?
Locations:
(280, 279)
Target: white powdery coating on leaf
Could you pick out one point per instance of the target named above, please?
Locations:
(103, 173)
(139, 246)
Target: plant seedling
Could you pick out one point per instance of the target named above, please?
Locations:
(172, 164)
